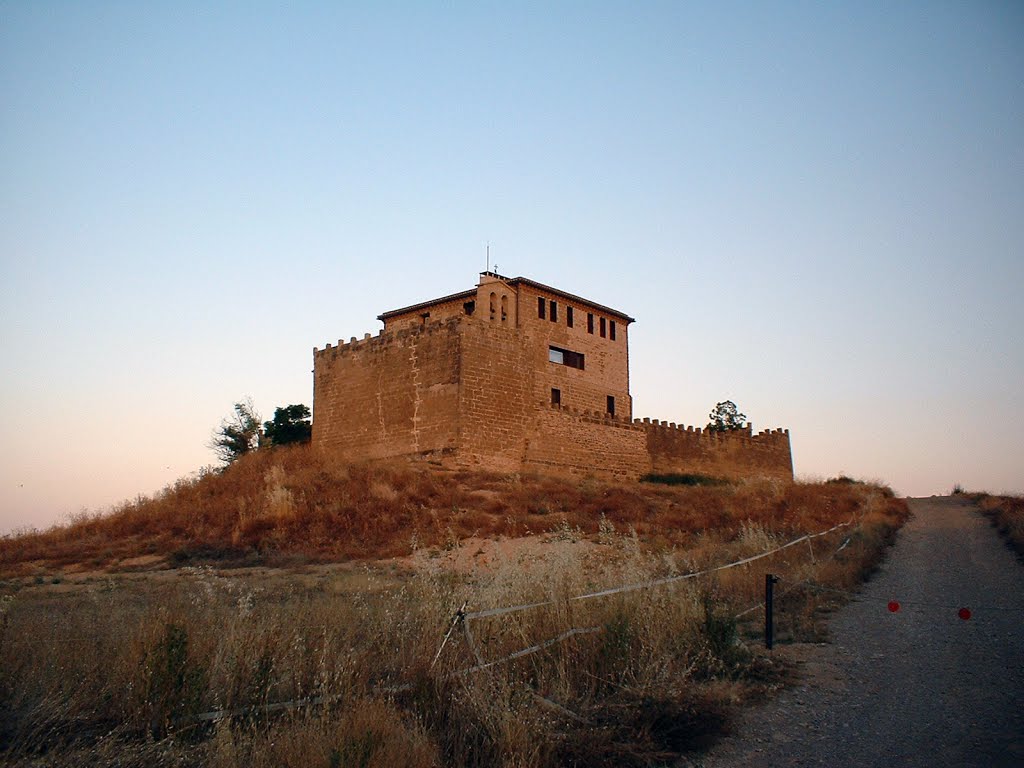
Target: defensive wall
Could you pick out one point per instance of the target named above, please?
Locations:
(470, 392)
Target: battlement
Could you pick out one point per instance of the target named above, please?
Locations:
(384, 337)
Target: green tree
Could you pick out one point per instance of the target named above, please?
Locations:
(726, 417)
(238, 434)
(291, 424)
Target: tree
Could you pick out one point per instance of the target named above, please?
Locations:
(726, 417)
(239, 434)
(291, 424)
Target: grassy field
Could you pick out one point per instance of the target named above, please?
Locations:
(331, 651)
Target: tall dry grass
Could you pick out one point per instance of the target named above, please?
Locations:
(292, 504)
(1007, 515)
(122, 669)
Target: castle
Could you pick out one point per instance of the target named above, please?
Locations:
(514, 375)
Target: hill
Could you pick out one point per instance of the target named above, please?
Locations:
(292, 505)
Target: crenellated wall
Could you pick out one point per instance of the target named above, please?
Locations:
(388, 395)
(735, 454)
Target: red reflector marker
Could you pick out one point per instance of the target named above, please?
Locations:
(893, 606)
(964, 613)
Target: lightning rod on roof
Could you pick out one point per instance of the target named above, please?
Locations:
(488, 255)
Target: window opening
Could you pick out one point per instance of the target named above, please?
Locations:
(590, 322)
(494, 304)
(611, 330)
(556, 396)
(565, 357)
(554, 312)
(468, 307)
(602, 328)
(540, 307)
(611, 405)
(504, 311)
(568, 316)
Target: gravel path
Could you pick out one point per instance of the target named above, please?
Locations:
(920, 687)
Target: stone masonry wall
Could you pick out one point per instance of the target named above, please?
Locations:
(562, 441)
(735, 455)
(388, 395)
(606, 361)
(494, 399)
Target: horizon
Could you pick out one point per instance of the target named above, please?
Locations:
(817, 213)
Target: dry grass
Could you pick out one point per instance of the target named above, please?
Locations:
(292, 504)
(116, 670)
(1006, 514)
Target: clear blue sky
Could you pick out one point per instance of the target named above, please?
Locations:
(814, 209)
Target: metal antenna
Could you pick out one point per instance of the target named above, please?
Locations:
(488, 255)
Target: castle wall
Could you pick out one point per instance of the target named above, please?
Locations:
(495, 406)
(735, 455)
(566, 442)
(389, 395)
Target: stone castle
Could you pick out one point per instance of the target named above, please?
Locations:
(513, 375)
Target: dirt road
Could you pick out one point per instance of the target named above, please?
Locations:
(919, 687)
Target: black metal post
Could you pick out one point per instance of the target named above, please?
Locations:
(769, 630)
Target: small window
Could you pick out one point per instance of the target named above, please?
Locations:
(494, 304)
(590, 322)
(565, 357)
(556, 396)
(468, 307)
(611, 405)
(602, 328)
(554, 312)
(611, 330)
(540, 307)
(504, 312)
(568, 316)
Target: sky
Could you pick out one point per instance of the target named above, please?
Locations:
(815, 210)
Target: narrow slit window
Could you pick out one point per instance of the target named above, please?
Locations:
(540, 307)
(504, 312)
(568, 317)
(590, 322)
(556, 396)
(611, 405)
(611, 330)
(603, 328)
(554, 312)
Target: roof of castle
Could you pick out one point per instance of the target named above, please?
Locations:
(512, 281)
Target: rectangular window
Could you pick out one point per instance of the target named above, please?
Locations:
(556, 396)
(611, 330)
(568, 316)
(554, 312)
(540, 307)
(602, 328)
(590, 322)
(611, 405)
(565, 357)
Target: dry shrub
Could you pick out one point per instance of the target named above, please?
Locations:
(1007, 515)
(368, 733)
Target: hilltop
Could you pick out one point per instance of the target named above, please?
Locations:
(291, 505)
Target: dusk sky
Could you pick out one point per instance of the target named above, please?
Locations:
(813, 209)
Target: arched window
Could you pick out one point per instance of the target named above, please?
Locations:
(494, 304)
(504, 308)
